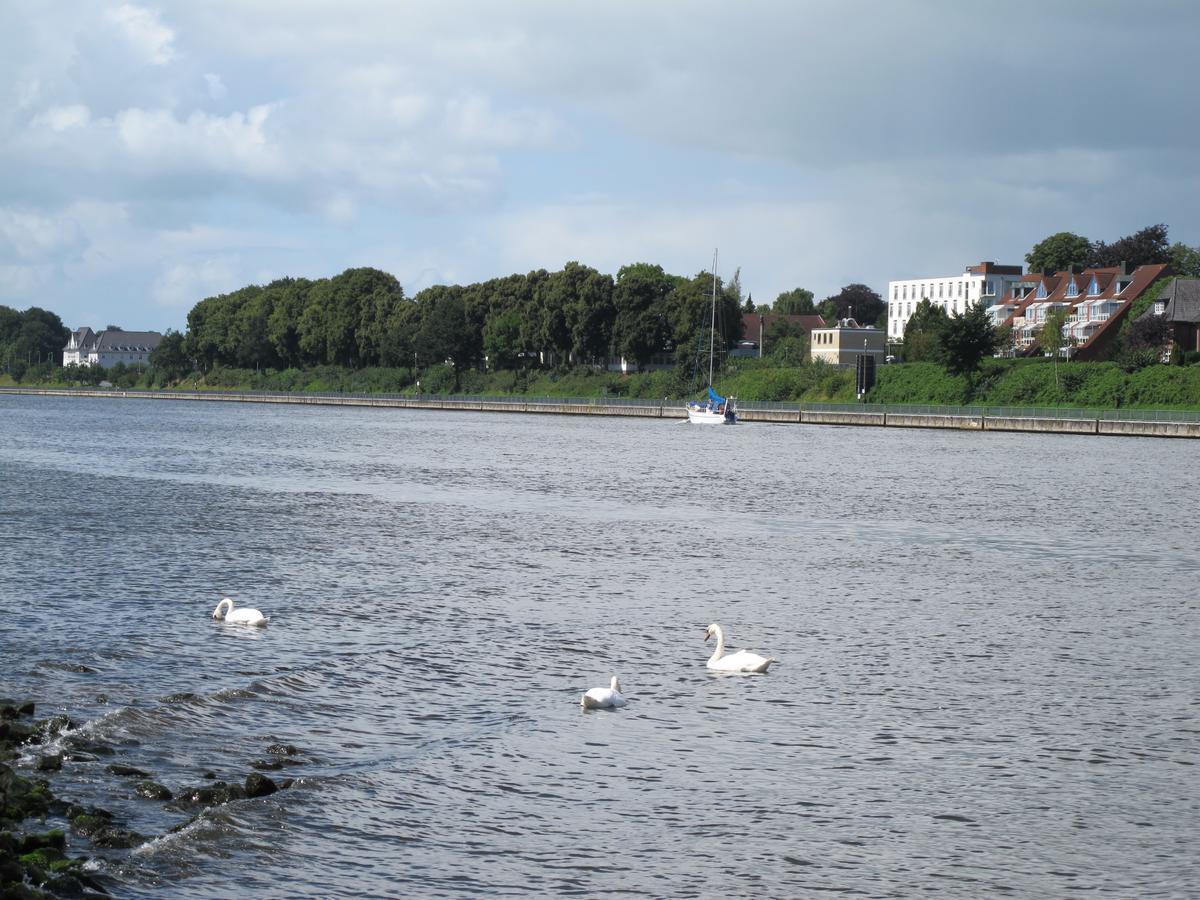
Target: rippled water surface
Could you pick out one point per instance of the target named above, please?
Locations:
(987, 679)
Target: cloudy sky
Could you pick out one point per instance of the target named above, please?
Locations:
(155, 153)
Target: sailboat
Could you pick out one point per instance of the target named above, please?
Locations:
(716, 410)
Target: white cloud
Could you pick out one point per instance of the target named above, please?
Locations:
(233, 143)
(62, 118)
(184, 284)
(216, 87)
(144, 31)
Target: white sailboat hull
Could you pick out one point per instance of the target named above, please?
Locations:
(700, 415)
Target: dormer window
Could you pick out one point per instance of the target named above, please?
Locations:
(1160, 307)
(1041, 291)
(1093, 287)
(1072, 288)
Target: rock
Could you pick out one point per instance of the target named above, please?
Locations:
(152, 790)
(129, 771)
(259, 785)
(50, 763)
(282, 749)
(268, 765)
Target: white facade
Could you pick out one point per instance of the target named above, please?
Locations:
(986, 283)
(106, 349)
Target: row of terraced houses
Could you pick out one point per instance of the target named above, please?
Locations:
(1095, 301)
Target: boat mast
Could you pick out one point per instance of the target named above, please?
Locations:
(712, 323)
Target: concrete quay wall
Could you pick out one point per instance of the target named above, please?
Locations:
(926, 420)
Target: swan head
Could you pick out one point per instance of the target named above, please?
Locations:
(712, 629)
(223, 608)
(616, 685)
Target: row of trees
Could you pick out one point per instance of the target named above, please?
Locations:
(854, 301)
(1149, 246)
(31, 338)
(362, 318)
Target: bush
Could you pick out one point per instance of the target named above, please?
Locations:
(921, 382)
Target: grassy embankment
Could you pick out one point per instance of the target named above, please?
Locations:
(1000, 382)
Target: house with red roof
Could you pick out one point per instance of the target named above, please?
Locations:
(1095, 301)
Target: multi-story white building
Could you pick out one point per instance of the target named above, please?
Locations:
(985, 283)
(85, 347)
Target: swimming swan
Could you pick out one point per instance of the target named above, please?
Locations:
(244, 616)
(741, 661)
(603, 698)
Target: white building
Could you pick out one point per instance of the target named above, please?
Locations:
(986, 283)
(85, 347)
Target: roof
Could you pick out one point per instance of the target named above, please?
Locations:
(750, 323)
(116, 341)
(1183, 300)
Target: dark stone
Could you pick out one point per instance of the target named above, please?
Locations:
(117, 769)
(259, 785)
(211, 776)
(268, 765)
(282, 749)
(117, 838)
(152, 790)
(50, 763)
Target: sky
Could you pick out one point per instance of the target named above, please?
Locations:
(153, 154)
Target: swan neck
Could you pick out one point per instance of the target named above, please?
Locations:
(720, 650)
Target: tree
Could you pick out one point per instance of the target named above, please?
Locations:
(923, 333)
(1185, 260)
(854, 301)
(796, 302)
(786, 344)
(502, 340)
(1148, 331)
(640, 327)
(169, 357)
(1050, 337)
(1145, 247)
(966, 339)
(748, 306)
(1058, 252)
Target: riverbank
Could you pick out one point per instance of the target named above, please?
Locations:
(1122, 422)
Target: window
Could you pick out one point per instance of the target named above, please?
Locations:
(1093, 287)
(895, 290)
(991, 288)
(1041, 291)
(1072, 288)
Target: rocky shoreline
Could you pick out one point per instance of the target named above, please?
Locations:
(37, 861)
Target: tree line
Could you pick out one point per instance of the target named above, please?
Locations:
(362, 318)
(33, 339)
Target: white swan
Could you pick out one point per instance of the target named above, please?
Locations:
(603, 698)
(244, 616)
(739, 661)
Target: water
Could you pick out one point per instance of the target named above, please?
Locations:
(987, 681)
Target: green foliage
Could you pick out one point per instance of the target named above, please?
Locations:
(923, 333)
(966, 339)
(920, 382)
(796, 302)
(32, 339)
(1169, 386)
(854, 301)
(1058, 251)
(1185, 260)
(1141, 248)
(1050, 337)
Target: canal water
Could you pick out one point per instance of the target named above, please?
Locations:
(987, 680)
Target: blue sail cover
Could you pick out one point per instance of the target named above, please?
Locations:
(716, 398)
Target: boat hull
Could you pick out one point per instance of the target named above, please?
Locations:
(704, 416)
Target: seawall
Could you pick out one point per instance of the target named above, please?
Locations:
(1132, 423)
